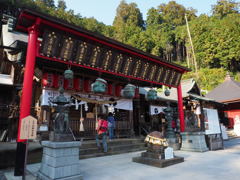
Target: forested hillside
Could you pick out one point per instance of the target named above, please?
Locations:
(215, 47)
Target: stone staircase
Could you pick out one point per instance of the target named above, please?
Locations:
(89, 149)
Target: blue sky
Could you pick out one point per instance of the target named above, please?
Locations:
(105, 10)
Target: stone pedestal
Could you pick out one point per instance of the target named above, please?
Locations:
(60, 137)
(155, 156)
(156, 160)
(194, 141)
(60, 161)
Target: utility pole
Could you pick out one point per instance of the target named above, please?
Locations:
(188, 61)
(190, 39)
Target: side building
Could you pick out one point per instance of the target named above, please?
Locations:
(228, 93)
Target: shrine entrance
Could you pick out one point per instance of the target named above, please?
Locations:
(57, 46)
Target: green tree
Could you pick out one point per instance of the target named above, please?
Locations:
(16, 3)
(61, 4)
(153, 17)
(174, 13)
(129, 14)
(128, 18)
(224, 7)
(207, 79)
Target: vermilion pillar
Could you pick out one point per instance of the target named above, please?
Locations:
(137, 95)
(26, 99)
(180, 108)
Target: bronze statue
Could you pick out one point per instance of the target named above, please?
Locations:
(61, 119)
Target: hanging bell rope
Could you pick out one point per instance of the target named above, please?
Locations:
(81, 128)
(96, 116)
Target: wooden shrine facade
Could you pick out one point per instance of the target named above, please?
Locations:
(72, 45)
(54, 43)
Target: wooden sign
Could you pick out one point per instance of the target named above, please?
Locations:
(97, 56)
(90, 115)
(28, 128)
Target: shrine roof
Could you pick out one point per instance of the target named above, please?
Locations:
(188, 85)
(29, 20)
(227, 92)
(65, 43)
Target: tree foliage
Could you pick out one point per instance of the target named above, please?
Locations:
(127, 22)
(173, 13)
(225, 7)
(61, 4)
(164, 33)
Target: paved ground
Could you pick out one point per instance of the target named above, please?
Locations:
(211, 165)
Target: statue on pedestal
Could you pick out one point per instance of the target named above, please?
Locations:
(169, 117)
(61, 129)
(172, 139)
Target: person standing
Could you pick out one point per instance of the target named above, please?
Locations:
(111, 125)
(102, 132)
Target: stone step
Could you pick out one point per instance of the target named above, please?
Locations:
(116, 146)
(124, 147)
(99, 154)
(92, 143)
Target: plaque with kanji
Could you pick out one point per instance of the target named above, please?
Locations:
(28, 128)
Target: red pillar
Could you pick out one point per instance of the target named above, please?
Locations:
(180, 108)
(109, 89)
(137, 95)
(26, 99)
(86, 85)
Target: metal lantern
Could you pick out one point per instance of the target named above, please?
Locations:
(152, 94)
(68, 74)
(167, 92)
(129, 91)
(99, 86)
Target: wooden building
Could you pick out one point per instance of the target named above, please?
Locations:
(12, 54)
(202, 114)
(55, 46)
(228, 93)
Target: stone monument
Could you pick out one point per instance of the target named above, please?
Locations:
(193, 139)
(60, 160)
(155, 154)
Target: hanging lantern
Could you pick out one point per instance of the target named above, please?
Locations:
(47, 80)
(167, 92)
(44, 82)
(152, 95)
(129, 91)
(68, 74)
(99, 86)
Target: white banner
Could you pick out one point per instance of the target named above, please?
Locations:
(46, 94)
(156, 109)
(212, 125)
(125, 104)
